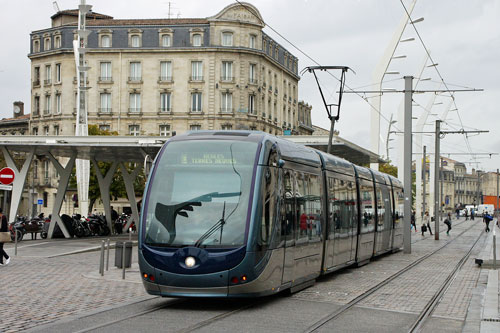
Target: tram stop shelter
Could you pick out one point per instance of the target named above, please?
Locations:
(117, 150)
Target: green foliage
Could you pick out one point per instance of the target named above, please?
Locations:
(117, 187)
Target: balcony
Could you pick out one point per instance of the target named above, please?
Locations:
(165, 79)
(252, 81)
(46, 113)
(75, 81)
(195, 111)
(105, 79)
(47, 82)
(134, 111)
(229, 111)
(35, 114)
(228, 79)
(196, 78)
(36, 83)
(134, 79)
(167, 110)
(105, 112)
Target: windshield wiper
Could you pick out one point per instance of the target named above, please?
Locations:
(209, 232)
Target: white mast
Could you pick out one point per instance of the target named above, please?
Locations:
(82, 166)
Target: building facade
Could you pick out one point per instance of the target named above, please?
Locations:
(167, 76)
(162, 77)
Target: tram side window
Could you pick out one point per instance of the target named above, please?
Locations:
(387, 207)
(301, 208)
(351, 205)
(334, 209)
(269, 207)
(367, 207)
(380, 209)
(287, 207)
(399, 206)
(314, 206)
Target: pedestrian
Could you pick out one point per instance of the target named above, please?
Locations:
(447, 221)
(449, 216)
(114, 217)
(3, 228)
(427, 223)
(423, 228)
(413, 223)
(487, 219)
(472, 214)
(466, 214)
(458, 213)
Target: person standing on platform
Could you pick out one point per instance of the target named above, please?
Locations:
(447, 221)
(487, 219)
(427, 222)
(413, 223)
(3, 228)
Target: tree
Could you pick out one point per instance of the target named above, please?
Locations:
(117, 188)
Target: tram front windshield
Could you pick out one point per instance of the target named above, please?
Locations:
(199, 194)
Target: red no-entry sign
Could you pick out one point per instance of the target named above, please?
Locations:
(7, 176)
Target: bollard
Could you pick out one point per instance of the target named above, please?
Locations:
(123, 262)
(15, 240)
(129, 234)
(494, 249)
(101, 261)
(107, 257)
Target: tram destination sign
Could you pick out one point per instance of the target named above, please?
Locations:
(7, 176)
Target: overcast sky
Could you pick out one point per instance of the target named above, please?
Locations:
(462, 35)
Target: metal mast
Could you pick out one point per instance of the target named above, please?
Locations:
(79, 48)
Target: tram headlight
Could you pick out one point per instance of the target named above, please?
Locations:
(190, 262)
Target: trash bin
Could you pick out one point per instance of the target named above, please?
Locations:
(119, 254)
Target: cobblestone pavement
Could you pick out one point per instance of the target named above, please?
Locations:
(47, 290)
(37, 291)
(411, 291)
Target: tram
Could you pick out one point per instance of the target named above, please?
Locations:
(246, 214)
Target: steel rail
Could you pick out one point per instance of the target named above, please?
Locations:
(434, 301)
(318, 324)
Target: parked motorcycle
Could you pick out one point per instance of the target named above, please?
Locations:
(98, 225)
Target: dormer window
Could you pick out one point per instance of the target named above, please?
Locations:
(166, 40)
(46, 44)
(196, 40)
(57, 42)
(105, 41)
(36, 46)
(227, 38)
(135, 41)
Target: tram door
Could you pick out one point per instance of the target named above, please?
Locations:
(288, 224)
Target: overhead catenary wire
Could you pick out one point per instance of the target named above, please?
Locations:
(437, 71)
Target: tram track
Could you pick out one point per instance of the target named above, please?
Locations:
(424, 314)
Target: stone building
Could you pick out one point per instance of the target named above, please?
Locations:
(166, 76)
(163, 77)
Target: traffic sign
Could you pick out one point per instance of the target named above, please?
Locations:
(40, 201)
(7, 176)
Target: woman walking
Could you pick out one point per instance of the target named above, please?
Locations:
(3, 228)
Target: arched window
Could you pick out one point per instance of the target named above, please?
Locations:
(196, 40)
(36, 46)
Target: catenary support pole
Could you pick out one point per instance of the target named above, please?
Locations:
(424, 178)
(498, 181)
(441, 179)
(436, 179)
(407, 163)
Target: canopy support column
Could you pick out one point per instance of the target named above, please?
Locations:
(65, 173)
(129, 179)
(19, 180)
(104, 185)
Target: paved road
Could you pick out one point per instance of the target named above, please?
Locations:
(66, 294)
